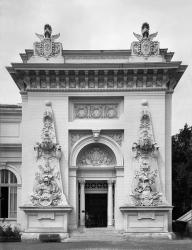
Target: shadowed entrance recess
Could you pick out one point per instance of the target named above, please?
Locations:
(96, 210)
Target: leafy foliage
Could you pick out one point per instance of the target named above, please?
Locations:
(182, 171)
(7, 230)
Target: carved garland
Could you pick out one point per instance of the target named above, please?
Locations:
(146, 183)
(47, 189)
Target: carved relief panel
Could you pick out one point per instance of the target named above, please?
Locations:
(96, 155)
(95, 111)
(95, 108)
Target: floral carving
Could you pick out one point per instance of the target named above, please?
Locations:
(47, 190)
(143, 193)
(116, 136)
(77, 136)
(96, 156)
(96, 111)
(146, 183)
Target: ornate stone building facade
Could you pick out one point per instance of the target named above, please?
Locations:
(95, 134)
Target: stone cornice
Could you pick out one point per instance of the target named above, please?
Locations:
(93, 66)
(97, 77)
(96, 53)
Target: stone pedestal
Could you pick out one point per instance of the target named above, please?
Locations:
(146, 221)
(45, 220)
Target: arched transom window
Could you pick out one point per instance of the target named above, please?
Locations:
(8, 194)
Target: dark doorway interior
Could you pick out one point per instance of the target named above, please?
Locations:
(96, 210)
(4, 202)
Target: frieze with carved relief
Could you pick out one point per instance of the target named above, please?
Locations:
(96, 111)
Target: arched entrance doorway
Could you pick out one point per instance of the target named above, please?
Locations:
(96, 171)
(94, 164)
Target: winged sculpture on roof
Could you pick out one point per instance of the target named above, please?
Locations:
(145, 45)
(47, 47)
(47, 33)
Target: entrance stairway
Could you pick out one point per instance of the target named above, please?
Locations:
(95, 234)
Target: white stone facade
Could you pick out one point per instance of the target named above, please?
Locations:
(96, 100)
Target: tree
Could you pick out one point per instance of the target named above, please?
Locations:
(182, 171)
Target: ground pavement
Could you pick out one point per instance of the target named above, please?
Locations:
(136, 244)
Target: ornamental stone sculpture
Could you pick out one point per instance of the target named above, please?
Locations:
(47, 47)
(145, 46)
(48, 187)
(146, 183)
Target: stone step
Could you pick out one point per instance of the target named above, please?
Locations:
(95, 234)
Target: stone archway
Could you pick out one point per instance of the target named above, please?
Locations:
(94, 160)
(107, 141)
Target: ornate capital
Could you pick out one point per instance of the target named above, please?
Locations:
(81, 181)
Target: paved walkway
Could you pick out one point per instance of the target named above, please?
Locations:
(126, 245)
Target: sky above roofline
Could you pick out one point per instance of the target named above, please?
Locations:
(98, 25)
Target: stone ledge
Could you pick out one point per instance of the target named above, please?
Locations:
(146, 208)
(29, 208)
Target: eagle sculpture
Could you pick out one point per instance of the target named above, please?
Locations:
(145, 33)
(47, 33)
